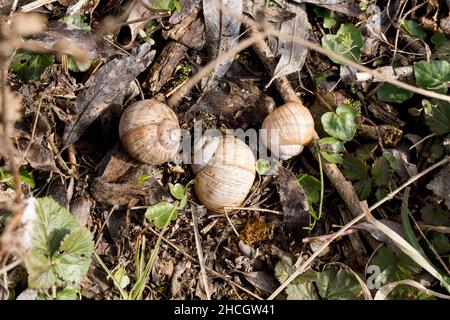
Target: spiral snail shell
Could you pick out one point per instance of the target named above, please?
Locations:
(288, 129)
(149, 132)
(226, 179)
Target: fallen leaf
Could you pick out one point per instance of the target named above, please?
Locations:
(440, 185)
(294, 203)
(222, 30)
(292, 54)
(109, 84)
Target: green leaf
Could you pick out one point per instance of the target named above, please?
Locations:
(332, 157)
(161, 214)
(25, 176)
(413, 29)
(67, 294)
(263, 166)
(61, 249)
(348, 42)
(363, 188)
(381, 172)
(365, 152)
(439, 119)
(406, 225)
(78, 66)
(341, 124)
(144, 179)
(30, 66)
(432, 74)
(78, 21)
(73, 258)
(394, 266)
(311, 186)
(354, 168)
(167, 4)
(438, 39)
(331, 144)
(441, 243)
(394, 94)
(329, 23)
(302, 291)
(121, 277)
(338, 285)
(178, 191)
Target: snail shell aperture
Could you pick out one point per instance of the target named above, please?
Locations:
(150, 132)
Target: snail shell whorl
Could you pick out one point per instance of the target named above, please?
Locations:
(295, 127)
(227, 178)
(150, 132)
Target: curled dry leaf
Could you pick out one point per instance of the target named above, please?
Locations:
(294, 203)
(81, 208)
(136, 17)
(222, 29)
(292, 54)
(107, 85)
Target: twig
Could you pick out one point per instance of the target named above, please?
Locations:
(36, 4)
(231, 223)
(201, 259)
(212, 271)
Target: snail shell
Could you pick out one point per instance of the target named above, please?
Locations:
(227, 178)
(150, 132)
(289, 128)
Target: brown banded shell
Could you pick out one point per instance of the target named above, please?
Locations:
(150, 132)
(288, 129)
(227, 178)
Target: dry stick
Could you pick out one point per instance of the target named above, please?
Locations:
(36, 4)
(354, 221)
(212, 271)
(203, 72)
(201, 259)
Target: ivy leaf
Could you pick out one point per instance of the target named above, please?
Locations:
(394, 266)
(414, 29)
(439, 119)
(432, 74)
(161, 214)
(311, 186)
(329, 23)
(178, 191)
(338, 285)
(30, 66)
(394, 94)
(348, 42)
(341, 124)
